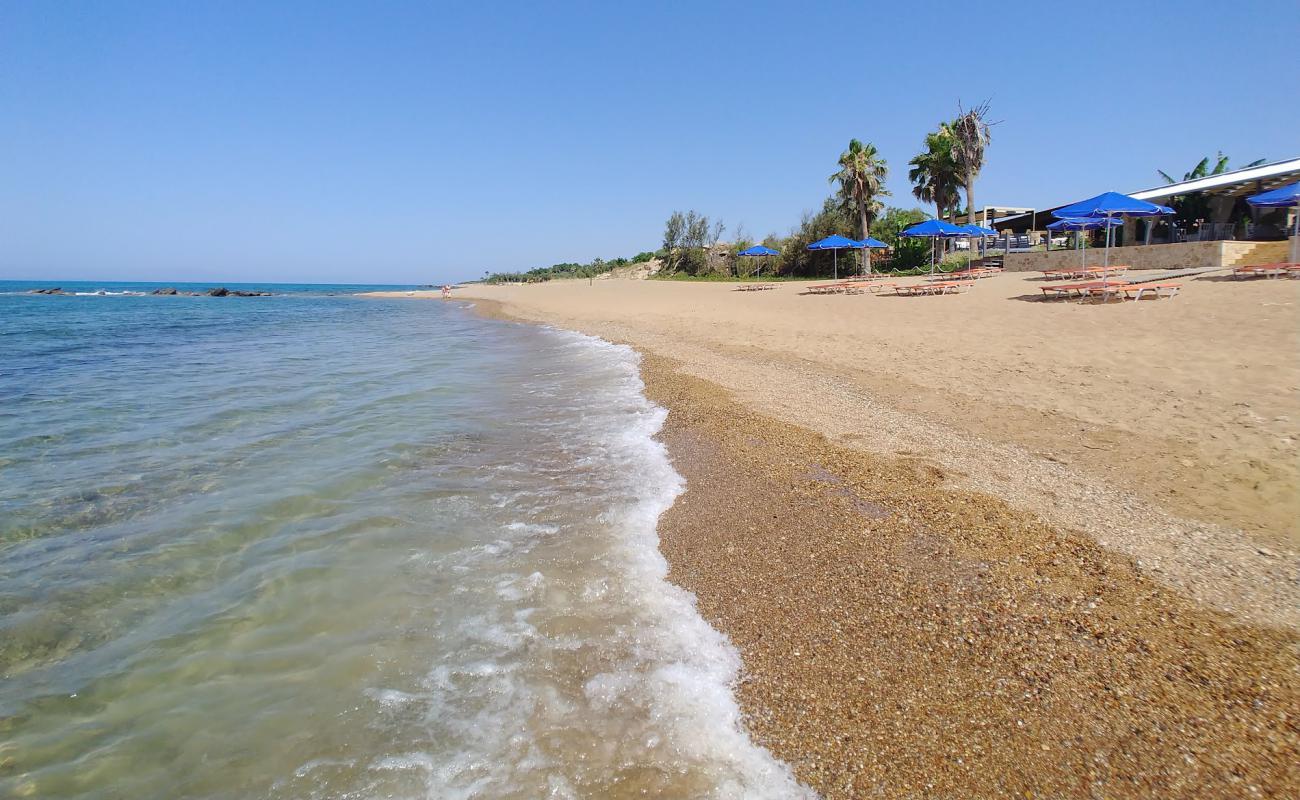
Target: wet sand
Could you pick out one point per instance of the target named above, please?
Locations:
(932, 601)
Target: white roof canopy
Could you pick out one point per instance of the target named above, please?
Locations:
(1236, 183)
(1251, 180)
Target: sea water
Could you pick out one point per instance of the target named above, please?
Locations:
(323, 546)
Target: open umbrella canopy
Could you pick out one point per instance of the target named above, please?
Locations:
(1084, 223)
(1111, 204)
(933, 228)
(1280, 198)
(869, 242)
(758, 250)
(978, 230)
(835, 242)
(1285, 196)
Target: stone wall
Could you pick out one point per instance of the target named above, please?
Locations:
(1183, 255)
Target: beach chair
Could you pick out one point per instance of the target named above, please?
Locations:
(911, 290)
(1153, 290)
(1079, 290)
(1257, 270)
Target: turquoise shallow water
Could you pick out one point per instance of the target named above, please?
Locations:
(315, 545)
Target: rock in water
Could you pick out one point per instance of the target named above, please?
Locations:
(169, 290)
(220, 291)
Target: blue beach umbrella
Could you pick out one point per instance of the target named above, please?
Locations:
(1282, 198)
(835, 243)
(934, 229)
(869, 243)
(1111, 204)
(975, 231)
(1083, 224)
(758, 251)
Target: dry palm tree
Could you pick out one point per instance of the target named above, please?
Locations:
(934, 173)
(970, 137)
(861, 179)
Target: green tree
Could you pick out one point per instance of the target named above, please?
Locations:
(796, 258)
(934, 173)
(906, 253)
(687, 240)
(1202, 168)
(861, 178)
(1188, 208)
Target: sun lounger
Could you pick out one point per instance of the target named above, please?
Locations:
(1266, 270)
(1134, 291)
(1152, 290)
(942, 287)
(755, 287)
(1077, 289)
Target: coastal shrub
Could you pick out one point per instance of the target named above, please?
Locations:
(688, 241)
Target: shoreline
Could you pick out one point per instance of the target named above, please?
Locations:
(904, 633)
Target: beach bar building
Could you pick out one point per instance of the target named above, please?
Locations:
(1214, 226)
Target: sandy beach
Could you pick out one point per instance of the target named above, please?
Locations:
(984, 545)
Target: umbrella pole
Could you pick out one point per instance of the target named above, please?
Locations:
(835, 264)
(1295, 235)
(1106, 261)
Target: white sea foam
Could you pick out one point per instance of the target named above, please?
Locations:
(595, 676)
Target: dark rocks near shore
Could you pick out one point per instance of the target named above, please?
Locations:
(222, 291)
(171, 291)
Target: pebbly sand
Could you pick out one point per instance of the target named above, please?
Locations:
(979, 546)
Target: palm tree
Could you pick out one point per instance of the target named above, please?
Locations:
(861, 179)
(934, 173)
(970, 136)
(1202, 168)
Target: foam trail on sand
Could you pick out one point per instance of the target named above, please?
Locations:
(595, 677)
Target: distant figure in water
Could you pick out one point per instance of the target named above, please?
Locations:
(446, 292)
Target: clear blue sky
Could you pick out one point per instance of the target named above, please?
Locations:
(417, 142)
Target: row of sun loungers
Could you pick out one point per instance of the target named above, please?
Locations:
(755, 287)
(937, 287)
(1084, 273)
(1111, 289)
(1097, 283)
(1267, 271)
(848, 287)
(970, 274)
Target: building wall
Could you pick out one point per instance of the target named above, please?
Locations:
(1183, 255)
